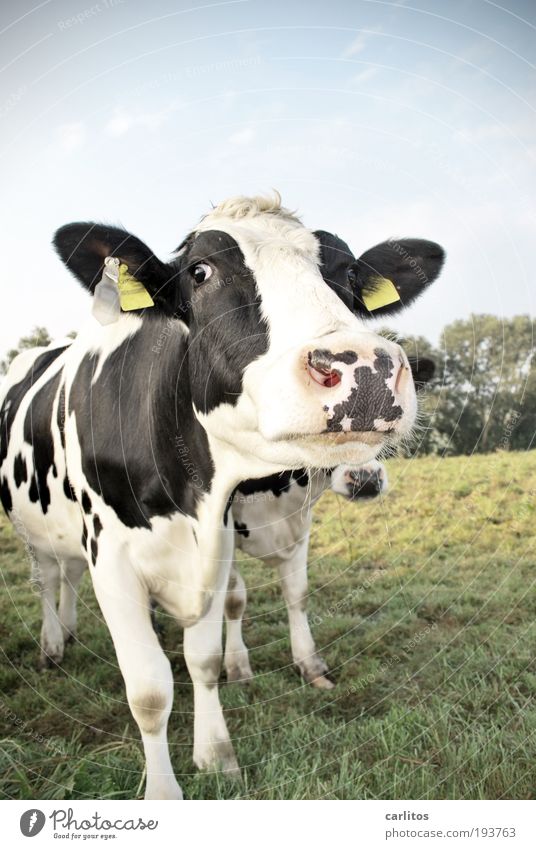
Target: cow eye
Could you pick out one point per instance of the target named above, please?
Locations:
(352, 276)
(201, 272)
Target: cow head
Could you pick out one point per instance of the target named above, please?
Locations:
(280, 365)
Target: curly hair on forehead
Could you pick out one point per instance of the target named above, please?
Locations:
(247, 207)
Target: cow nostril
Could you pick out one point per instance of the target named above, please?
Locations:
(320, 370)
(325, 377)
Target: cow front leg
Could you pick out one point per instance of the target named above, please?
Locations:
(236, 659)
(293, 575)
(125, 604)
(213, 749)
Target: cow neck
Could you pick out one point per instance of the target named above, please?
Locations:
(211, 471)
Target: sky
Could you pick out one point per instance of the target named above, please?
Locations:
(373, 119)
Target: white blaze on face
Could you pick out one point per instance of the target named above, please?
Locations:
(283, 257)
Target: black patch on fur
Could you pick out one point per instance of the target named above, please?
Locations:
(301, 477)
(97, 526)
(226, 511)
(369, 399)
(241, 529)
(321, 358)
(68, 490)
(5, 496)
(20, 472)
(227, 330)
(84, 536)
(276, 484)
(60, 415)
(33, 492)
(16, 394)
(143, 451)
(38, 433)
(85, 502)
(94, 550)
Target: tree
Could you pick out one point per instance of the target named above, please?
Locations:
(487, 399)
(39, 337)
(483, 395)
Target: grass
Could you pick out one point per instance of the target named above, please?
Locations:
(424, 607)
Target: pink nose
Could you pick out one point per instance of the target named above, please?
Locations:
(364, 392)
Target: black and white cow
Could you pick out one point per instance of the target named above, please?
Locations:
(272, 520)
(123, 448)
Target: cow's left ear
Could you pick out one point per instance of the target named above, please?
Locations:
(83, 247)
(391, 275)
(422, 369)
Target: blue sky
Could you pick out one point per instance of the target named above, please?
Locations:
(373, 119)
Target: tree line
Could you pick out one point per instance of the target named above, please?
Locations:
(483, 394)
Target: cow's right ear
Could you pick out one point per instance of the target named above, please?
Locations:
(422, 369)
(83, 247)
(390, 276)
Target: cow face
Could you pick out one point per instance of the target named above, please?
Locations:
(279, 367)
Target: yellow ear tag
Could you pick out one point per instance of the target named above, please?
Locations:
(384, 293)
(132, 294)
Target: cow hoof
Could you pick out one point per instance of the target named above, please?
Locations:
(315, 672)
(322, 683)
(239, 672)
(49, 659)
(218, 757)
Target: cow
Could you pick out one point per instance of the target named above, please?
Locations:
(272, 521)
(232, 361)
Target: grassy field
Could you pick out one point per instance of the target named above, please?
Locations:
(424, 605)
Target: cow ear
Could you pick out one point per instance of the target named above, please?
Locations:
(390, 276)
(422, 369)
(83, 247)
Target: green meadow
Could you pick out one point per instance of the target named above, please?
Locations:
(424, 606)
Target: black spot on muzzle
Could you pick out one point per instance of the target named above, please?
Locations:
(370, 398)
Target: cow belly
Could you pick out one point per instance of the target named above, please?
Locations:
(56, 532)
(271, 532)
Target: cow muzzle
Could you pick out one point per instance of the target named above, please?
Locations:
(340, 387)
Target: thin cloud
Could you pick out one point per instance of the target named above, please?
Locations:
(71, 136)
(365, 75)
(242, 137)
(121, 121)
(359, 44)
